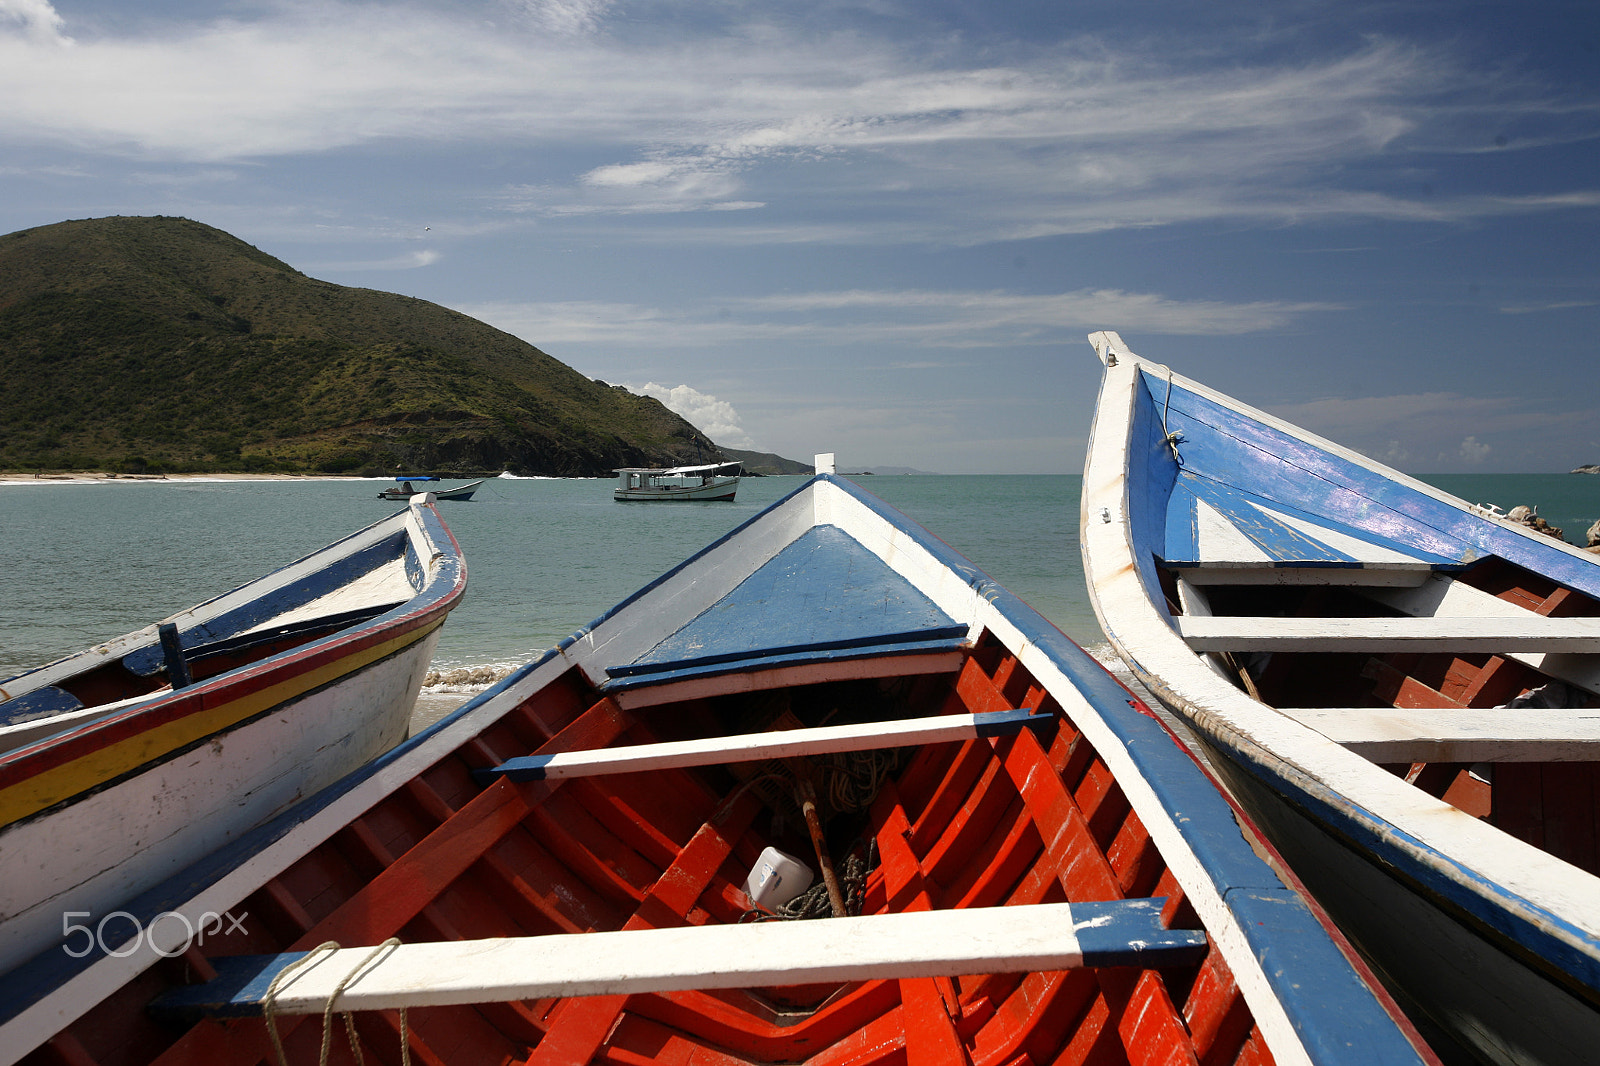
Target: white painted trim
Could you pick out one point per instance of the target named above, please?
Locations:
(1452, 633)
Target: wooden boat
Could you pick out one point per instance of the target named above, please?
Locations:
(125, 763)
(407, 487)
(1031, 868)
(714, 481)
(1400, 687)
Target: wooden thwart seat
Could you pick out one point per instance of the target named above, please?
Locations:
(1458, 735)
(1039, 937)
(754, 747)
(1452, 633)
(1252, 572)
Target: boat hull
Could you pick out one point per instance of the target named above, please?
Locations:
(459, 493)
(89, 855)
(688, 493)
(1500, 1003)
(97, 812)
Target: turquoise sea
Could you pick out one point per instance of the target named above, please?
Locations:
(86, 562)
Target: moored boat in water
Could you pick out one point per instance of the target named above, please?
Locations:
(1399, 685)
(126, 762)
(579, 865)
(411, 485)
(712, 481)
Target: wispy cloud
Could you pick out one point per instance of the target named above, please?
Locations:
(408, 261)
(1422, 431)
(1540, 308)
(1058, 138)
(914, 318)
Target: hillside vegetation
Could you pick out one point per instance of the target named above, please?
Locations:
(153, 344)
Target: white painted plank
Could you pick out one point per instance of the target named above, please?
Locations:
(1453, 633)
(915, 944)
(1458, 734)
(757, 747)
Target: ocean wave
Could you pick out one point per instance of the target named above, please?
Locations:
(463, 679)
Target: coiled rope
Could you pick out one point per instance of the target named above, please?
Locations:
(1172, 439)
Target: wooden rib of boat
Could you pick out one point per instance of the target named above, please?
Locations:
(1400, 687)
(713, 481)
(407, 487)
(1031, 868)
(125, 763)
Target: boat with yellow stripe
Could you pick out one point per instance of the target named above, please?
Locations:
(122, 763)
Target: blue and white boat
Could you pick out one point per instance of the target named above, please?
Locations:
(1400, 686)
(597, 860)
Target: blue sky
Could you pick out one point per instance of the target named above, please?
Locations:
(883, 228)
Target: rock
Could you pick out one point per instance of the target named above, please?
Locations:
(1529, 516)
(1588, 468)
(1594, 536)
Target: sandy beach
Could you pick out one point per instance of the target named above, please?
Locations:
(99, 477)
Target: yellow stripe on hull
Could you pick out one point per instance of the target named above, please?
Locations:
(62, 782)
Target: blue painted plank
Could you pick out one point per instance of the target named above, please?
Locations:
(822, 591)
(40, 703)
(683, 671)
(1128, 932)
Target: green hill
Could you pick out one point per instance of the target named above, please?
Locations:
(164, 344)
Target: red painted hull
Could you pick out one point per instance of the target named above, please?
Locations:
(981, 823)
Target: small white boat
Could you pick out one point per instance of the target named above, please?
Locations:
(713, 481)
(407, 487)
(1402, 688)
(121, 764)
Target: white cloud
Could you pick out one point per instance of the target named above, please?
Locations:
(38, 19)
(1474, 451)
(715, 418)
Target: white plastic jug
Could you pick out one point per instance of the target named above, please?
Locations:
(776, 879)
